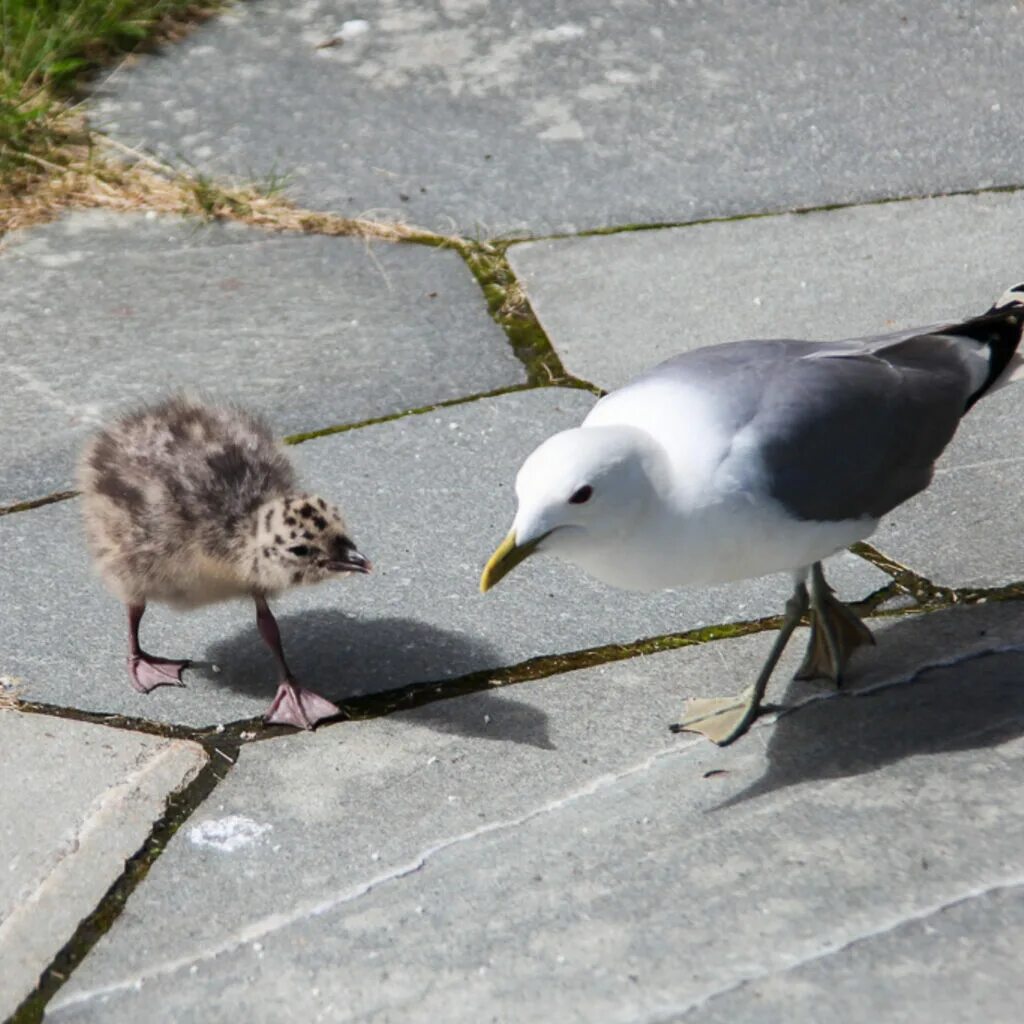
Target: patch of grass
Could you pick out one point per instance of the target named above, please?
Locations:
(48, 47)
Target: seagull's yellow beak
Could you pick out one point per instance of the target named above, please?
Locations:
(505, 559)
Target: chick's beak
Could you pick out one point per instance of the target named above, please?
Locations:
(505, 559)
(350, 561)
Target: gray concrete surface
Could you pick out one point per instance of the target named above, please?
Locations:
(105, 311)
(609, 870)
(840, 273)
(548, 851)
(427, 498)
(614, 305)
(955, 964)
(76, 801)
(561, 116)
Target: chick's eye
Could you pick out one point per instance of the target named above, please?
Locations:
(299, 550)
(582, 495)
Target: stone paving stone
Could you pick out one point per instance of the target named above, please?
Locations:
(562, 115)
(76, 800)
(896, 976)
(827, 275)
(427, 497)
(551, 852)
(103, 311)
(614, 305)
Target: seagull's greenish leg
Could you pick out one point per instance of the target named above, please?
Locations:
(836, 632)
(724, 719)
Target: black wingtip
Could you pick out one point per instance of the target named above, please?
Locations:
(1013, 296)
(1001, 330)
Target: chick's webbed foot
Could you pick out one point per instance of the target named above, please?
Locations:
(147, 672)
(295, 705)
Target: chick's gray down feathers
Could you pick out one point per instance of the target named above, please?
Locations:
(175, 484)
(188, 503)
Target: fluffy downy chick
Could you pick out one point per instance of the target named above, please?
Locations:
(188, 504)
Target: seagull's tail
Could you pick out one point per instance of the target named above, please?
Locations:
(1000, 330)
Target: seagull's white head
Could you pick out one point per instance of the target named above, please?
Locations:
(581, 490)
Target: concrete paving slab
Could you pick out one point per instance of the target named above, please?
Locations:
(551, 852)
(613, 305)
(103, 311)
(956, 965)
(825, 275)
(563, 116)
(76, 801)
(428, 498)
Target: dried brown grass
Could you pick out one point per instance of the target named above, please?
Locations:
(8, 687)
(101, 173)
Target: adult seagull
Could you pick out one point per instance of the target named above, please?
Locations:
(754, 457)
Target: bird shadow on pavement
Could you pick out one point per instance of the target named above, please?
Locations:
(974, 700)
(342, 656)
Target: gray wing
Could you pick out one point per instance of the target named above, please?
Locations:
(843, 429)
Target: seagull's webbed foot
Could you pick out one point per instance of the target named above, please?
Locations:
(836, 632)
(725, 719)
(147, 672)
(295, 705)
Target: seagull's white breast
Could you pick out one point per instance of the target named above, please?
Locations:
(716, 521)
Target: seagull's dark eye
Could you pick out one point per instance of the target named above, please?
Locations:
(299, 550)
(582, 495)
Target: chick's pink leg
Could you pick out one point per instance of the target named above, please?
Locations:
(293, 704)
(146, 670)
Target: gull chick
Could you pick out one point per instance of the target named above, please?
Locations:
(739, 460)
(188, 504)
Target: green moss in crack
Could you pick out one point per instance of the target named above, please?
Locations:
(625, 229)
(27, 506)
(344, 428)
(509, 307)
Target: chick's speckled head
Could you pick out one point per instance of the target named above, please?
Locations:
(301, 539)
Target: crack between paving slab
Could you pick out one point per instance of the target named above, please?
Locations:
(418, 694)
(179, 808)
(933, 596)
(510, 308)
(31, 503)
(337, 428)
(669, 1015)
(277, 922)
(447, 403)
(223, 748)
(93, 819)
(622, 229)
(307, 435)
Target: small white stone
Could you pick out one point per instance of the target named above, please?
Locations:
(352, 29)
(227, 834)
